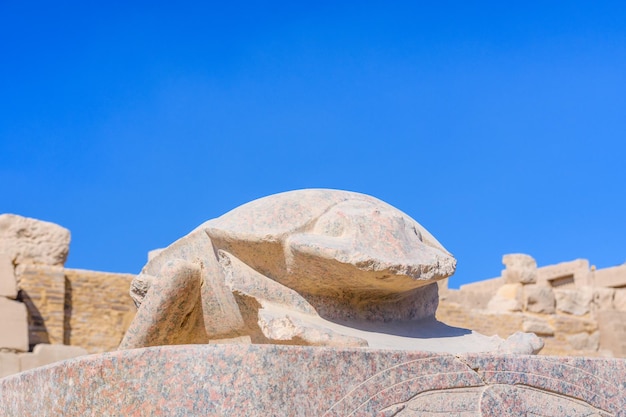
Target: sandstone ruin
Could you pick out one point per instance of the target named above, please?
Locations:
(576, 309)
(50, 312)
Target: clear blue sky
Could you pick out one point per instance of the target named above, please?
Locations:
(500, 127)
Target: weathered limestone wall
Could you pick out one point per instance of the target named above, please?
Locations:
(100, 309)
(484, 322)
(75, 307)
(576, 309)
(48, 312)
(42, 290)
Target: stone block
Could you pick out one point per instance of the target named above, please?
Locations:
(521, 343)
(468, 299)
(241, 340)
(519, 268)
(43, 291)
(101, 309)
(584, 341)
(610, 277)
(613, 332)
(171, 312)
(603, 298)
(538, 326)
(481, 321)
(273, 380)
(539, 299)
(574, 301)
(45, 354)
(571, 324)
(28, 240)
(484, 286)
(507, 298)
(566, 274)
(8, 286)
(13, 325)
(619, 299)
(9, 363)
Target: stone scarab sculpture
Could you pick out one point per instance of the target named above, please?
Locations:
(310, 267)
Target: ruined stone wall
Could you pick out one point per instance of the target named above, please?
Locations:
(42, 290)
(577, 310)
(482, 321)
(75, 307)
(49, 312)
(100, 309)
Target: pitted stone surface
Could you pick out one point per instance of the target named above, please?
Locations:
(309, 267)
(28, 240)
(603, 298)
(332, 255)
(333, 244)
(261, 380)
(596, 383)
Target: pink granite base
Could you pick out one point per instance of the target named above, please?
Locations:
(269, 380)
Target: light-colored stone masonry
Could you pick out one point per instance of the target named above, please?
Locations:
(576, 309)
(76, 307)
(48, 312)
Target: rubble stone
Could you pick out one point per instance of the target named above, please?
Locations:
(538, 326)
